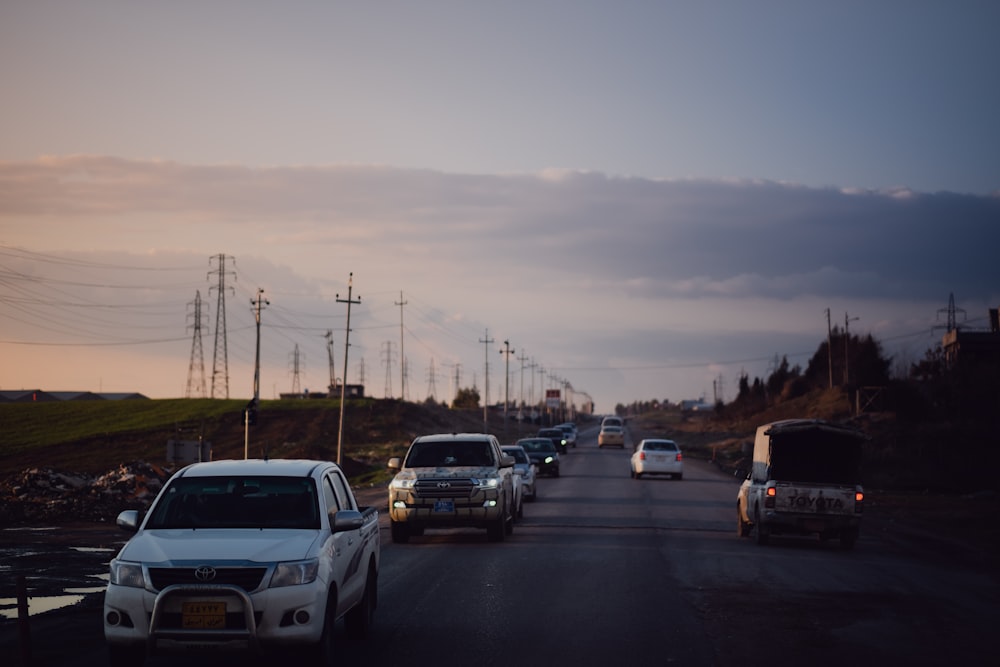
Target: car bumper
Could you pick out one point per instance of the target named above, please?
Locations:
(290, 615)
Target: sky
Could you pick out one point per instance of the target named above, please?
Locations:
(629, 200)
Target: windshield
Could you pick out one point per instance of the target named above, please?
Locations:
(449, 454)
(538, 446)
(237, 502)
(517, 453)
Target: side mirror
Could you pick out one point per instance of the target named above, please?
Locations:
(345, 520)
(394, 463)
(506, 461)
(128, 521)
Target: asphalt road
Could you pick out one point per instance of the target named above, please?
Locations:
(604, 569)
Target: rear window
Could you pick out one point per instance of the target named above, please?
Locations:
(660, 446)
(816, 456)
(538, 446)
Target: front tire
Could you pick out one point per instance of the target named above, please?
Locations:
(743, 528)
(321, 652)
(360, 619)
(400, 532)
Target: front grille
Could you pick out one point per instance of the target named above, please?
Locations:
(247, 578)
(443, 488)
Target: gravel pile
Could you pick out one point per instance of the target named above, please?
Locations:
(44, 495)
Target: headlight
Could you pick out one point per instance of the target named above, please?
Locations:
(124, 573)
(549, 459)
(404, 480)
(486, 483)
(294, 574)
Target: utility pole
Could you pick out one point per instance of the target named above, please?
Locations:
(347, 345)
(486, 393)
(847, 340)
(506, 383)
(402, 356)
(251, 413)
(829, 347)
(520, 401)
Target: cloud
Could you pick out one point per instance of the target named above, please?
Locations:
(564, 260)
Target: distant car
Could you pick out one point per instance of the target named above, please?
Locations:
(543, 454)
(656, 456)
(524, 470)
(611, 436)
(611, 420)
(569, 430)
(557, 437)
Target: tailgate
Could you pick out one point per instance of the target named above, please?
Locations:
(805, 499)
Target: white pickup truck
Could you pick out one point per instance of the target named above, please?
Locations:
(244, 555)
(805, 478)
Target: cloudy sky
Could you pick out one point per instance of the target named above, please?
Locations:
(644, 199)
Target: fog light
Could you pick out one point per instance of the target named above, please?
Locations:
(399, 505)
(113, 618)
(490, 503)
(302, 617)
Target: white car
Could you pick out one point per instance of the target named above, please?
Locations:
(656, 456)
(611, 436)
(524, 471)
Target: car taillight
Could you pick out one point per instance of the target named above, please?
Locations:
(859, 501)
(642, 456)
(679, 456)
(769, 496)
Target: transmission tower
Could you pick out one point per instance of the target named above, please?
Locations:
(296, 387)
(431, 386)
(220, 361)
(951, 311)
(197, 355)
(387, 361)
(329, 355)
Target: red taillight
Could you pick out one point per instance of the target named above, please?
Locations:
(642, 456)
(772, 492)
(769, 496)
(679, 456)
(859, 502)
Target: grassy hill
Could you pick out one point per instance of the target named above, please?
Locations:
(94, 436)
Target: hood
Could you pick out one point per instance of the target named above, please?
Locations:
(240, 544)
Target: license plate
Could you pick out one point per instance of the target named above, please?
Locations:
(659, 459)
(444, 506)
(203, 615)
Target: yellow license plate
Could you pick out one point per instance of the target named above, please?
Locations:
(203, 615)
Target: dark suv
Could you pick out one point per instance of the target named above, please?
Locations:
(557, 437)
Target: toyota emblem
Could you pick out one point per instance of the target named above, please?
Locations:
(444, 485)
(204, 573)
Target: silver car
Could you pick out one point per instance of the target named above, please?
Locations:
(524, 470)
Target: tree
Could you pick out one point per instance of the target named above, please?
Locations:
(466, 399)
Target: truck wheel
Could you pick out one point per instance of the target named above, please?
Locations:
(400, 532)
(359, 620)
(321, 652)
(742, 527)
(126, 656)
(497, 530)
(848, 537)
(762, 532)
